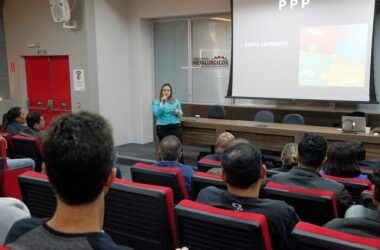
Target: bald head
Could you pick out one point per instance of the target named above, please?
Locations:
(223, 141)
(170, 148)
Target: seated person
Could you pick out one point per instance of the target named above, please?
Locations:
(360, 151)
(218, 170)
(367, 221)
(14, 120)
(222, 142)
(289, 157)
(243, 173)
(170, 152)
(11, 210)
(79, 151)
(36, 123)
(18, 163)
(311, 154)
(341, 162)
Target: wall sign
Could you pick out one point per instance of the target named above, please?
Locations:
(78, 76)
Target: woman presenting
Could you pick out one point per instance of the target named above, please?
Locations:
(168, 111)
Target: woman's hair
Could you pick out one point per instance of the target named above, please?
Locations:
(289, 154)
(171, 97)
(10, 116)
(341, 161)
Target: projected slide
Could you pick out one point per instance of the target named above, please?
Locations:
(303, 49)
(333, 56)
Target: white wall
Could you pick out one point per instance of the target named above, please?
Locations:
(113, 67)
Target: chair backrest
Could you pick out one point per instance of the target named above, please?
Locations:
(271, 172)
(8, 179)
(367, 171)
(3, 149)
(10, 148)
(202, 180)
(204, 227)
(8, 176)
(140, 215)
(38, 194)
(28, 147)
(306, 236)
(293, 119)
(161, 176)
(264, 116)
(366, 199)
(216, 112)
(315, 206)
(205, 164)
(354, 186)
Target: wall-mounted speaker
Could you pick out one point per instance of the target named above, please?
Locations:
(60, 10)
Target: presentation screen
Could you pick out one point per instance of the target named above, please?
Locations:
(302, 49)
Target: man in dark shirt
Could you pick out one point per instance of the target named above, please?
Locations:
(311, 154)
(369, 224)
(170, 153)
(243, 173)
(78, 151)
(36, 123)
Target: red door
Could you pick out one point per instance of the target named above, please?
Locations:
(48, 85)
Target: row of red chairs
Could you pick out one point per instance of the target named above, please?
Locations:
(354, 186)
(314, 206)
(144, 217)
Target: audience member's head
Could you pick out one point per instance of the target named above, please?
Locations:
(170, 148)
(35, 120)
(312, 150)
(289, 154)
(11, 210)
(223, 141)
(242, 167)
(15, 114)
(341, 161)
(359, 150)
(238, 141)
(79, 153)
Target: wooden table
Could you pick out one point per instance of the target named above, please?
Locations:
(268, 136)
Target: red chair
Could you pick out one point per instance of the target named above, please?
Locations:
(29, 147)
(202, 180)
(354, 186)
(161, 176)
(306, 236)
(8, 176)
(201, 226)
(140, 215)
(205, 164)
(38, 194)
(315, 206)
(10, 148)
